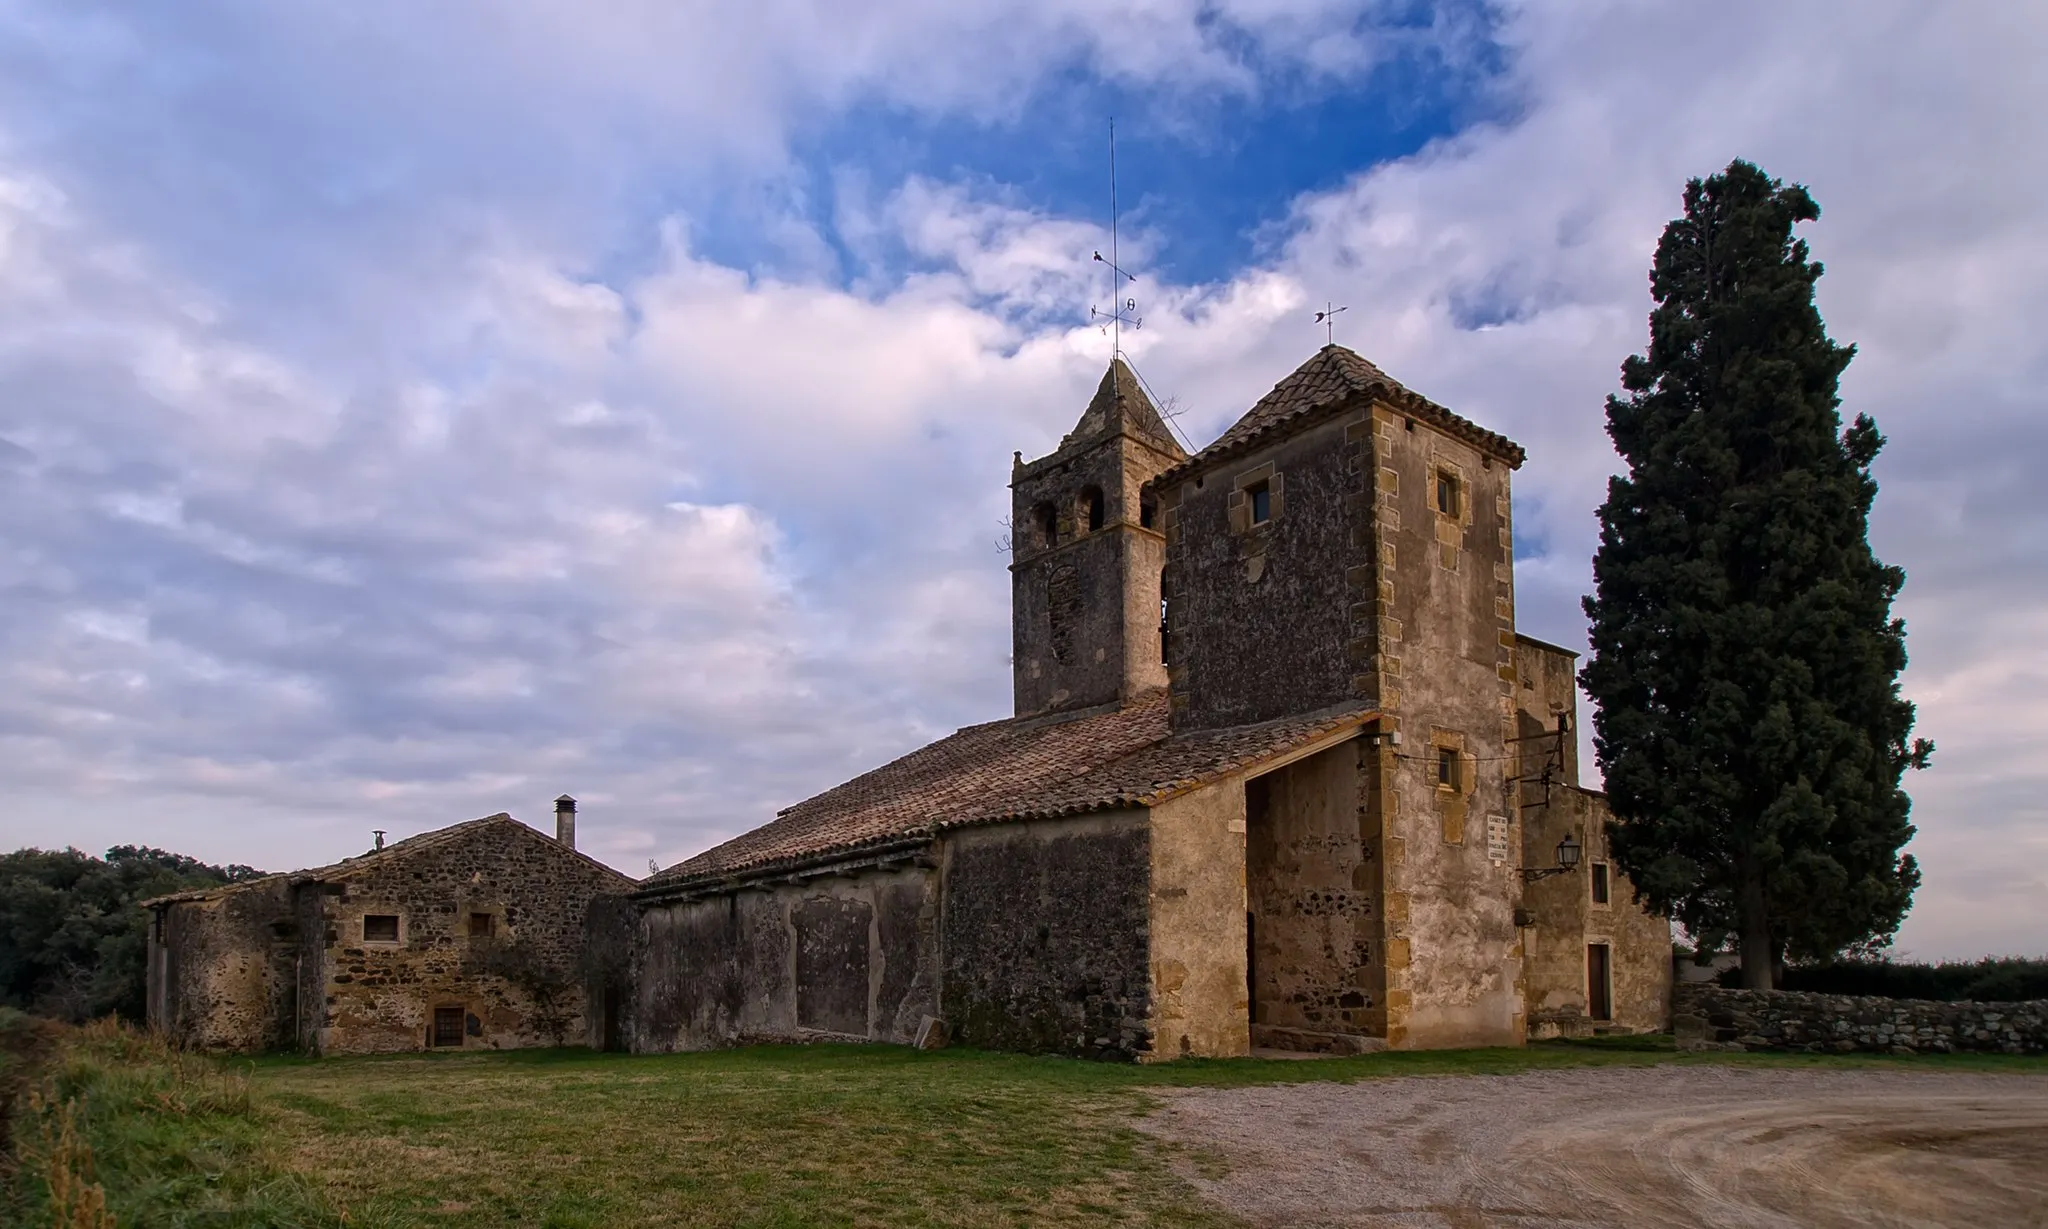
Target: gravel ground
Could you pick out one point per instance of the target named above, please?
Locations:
(1624, 1147)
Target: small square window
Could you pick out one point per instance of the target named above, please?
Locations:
(448, 1026)
(1262, 503)
(1448, 494)
(482, 925)
(1600, 889)
(380, 928)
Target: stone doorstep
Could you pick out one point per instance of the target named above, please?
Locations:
(1307, 1041)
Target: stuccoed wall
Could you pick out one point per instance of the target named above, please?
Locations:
(1566, 920)
(222, 971)
(1198, 917)
(1708, 1017)
(1046, 936)
(851, 957)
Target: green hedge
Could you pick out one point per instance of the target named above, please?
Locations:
(2008, 979)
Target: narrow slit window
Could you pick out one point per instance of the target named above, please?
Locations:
(1147, 512)
(1448, 494)
(380, 928)
(1447, 768)
(1261, 497)
(1600, 888)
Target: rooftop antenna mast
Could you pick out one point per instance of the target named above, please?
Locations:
(1122, 311)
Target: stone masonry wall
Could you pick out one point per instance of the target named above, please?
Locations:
(223, 970)
(1084, 612)
(1708, 1017)
(520, 985)
(1312, 891)
(1046, 935)
(1260, 616)
(1441, 638)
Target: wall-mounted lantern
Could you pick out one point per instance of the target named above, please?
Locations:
(1568, 851)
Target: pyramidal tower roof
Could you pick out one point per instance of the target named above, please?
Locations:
(1330, 379)
(1120, 405)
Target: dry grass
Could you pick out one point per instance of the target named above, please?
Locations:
(784, 1136)
(776, 1136)
(819, 1136)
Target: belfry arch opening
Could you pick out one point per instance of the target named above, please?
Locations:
(1045, 525)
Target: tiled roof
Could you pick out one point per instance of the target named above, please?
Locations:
(395, 851)
(1331, 377)
(1021, 768)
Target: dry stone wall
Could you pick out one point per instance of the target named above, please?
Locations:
(1709, 1017)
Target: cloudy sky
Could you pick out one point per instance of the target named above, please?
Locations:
(410, 412)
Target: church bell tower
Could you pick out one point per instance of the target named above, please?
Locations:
(1086, 556)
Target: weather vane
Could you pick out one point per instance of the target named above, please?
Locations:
(1327, 318)
(1122, 311)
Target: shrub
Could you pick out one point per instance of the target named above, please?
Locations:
(1990, 980)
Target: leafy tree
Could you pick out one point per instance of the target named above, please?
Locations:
(73, 939)
(1745, 670)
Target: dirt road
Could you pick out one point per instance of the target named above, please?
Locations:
(1626, 1147)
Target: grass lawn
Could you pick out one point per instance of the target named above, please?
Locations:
(827, 1135)
(774, 1136)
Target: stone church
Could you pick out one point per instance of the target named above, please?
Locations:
(1281, 773)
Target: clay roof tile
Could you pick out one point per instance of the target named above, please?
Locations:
(1333, 376)
(1021, 768)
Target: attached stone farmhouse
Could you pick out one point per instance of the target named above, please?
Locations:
(1280, 772)
(471, 936)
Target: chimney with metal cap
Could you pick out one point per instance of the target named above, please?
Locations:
(565, 820)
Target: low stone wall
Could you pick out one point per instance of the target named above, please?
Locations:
(1708, 1017)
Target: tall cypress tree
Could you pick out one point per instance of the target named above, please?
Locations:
(1745, 660)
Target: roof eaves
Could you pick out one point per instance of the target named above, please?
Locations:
(1320, 739)
(1545, 645)
(670, 883)
(1395, 396)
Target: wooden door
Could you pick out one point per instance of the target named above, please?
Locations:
(1599, 982)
